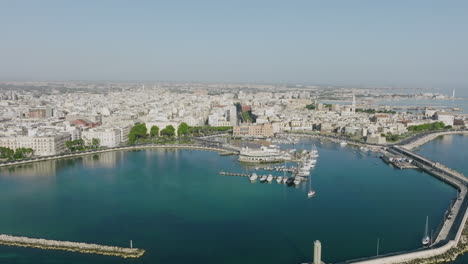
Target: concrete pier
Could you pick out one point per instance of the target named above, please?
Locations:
(448, 243)
(70, 246)
(416, 142)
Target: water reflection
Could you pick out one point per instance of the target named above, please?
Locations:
(40, 169)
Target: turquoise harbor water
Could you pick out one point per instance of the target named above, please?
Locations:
(174, 204)
(450, 150)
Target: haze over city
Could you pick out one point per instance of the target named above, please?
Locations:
(353, 43)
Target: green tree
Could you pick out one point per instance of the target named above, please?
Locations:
(168, 131)
(22, 153)
(183, 129)
(6, 152)
(310, 106)
(138, 131)
(154, 131)
(95, 142)
(75, 145)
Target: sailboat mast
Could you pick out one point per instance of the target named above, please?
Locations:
(427, 226)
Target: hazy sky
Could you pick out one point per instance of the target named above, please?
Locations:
(409, 43)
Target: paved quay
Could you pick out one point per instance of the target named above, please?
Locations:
(450, 234)
(220, 149)
(420, 140)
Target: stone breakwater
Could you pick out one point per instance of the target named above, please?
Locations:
(71, 246)
(424, 139)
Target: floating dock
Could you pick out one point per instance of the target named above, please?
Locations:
(70, 246)
(278, 168)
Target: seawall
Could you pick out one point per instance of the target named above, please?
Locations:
(421, 141)
(70, 246)
(136, 147)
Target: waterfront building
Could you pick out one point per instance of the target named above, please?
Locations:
(263, 155)
(376, 139)
(108, 137)
(42, 145)
(445, 117)
(264, 130)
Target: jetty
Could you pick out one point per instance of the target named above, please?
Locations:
(452, 237)
(420, 139)
(233, 174)
(20, 241)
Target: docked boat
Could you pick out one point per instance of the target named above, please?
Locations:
(285, 179)
(253, 177)
(290, 181)
(311, 192)
(263, 178)
(297, 181)
(279, 179)
(426, 239)
(269, 178)
(343, 143)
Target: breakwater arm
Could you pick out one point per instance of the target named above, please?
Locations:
(70, 246)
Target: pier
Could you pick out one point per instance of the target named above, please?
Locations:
(233, 174)
(70, 246)
(451, 240)
(420, 139)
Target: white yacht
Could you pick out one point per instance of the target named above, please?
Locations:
(426, 239)
(253, 177)
(269, 178)
(263, 178)
(297, 181)
(279, 179)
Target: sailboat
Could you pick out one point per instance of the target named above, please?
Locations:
(426, 239)
(311, 192)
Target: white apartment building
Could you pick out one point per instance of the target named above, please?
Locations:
(447, 118)
(108, 137)
(42, 145)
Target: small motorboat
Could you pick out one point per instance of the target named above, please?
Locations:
(279, 179)
(311, 193)
(269, 178)
(297, 181)
(253, 177)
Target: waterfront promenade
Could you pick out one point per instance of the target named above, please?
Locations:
(221, 149)
(421, 139)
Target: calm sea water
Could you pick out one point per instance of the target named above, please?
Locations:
(174, 204)
(450, 150)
